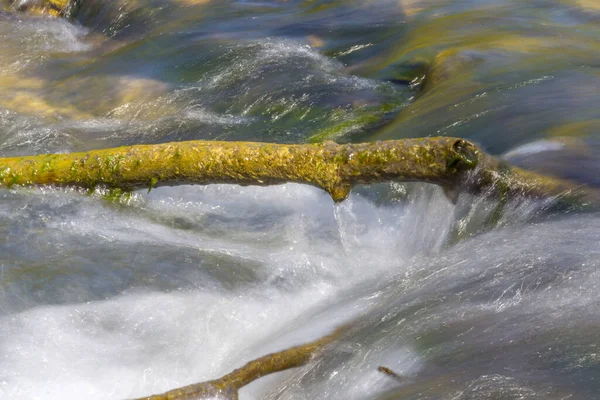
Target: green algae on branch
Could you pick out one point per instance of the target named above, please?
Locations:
(332, 167)
(227, 386)
(449, 162)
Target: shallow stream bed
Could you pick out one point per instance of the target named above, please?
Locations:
(467, 300)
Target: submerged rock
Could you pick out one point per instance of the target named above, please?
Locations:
(49, 7)
(484, 75)
(112, 18)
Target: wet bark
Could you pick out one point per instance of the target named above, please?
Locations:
(455, 164)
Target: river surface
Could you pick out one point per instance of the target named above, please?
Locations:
(465, 300)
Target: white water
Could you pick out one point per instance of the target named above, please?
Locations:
(138, 340)
(188, 283)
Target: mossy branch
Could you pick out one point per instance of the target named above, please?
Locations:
(449, 162)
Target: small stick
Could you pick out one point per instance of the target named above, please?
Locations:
(227, 386)
(391, 374)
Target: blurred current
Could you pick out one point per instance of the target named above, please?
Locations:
(466, 300)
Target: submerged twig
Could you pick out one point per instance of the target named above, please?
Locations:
(452, 163)
(391, 374)
(228, 385)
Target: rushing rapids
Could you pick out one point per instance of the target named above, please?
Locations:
(465, 295)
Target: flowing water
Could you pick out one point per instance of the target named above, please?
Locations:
(112, 300)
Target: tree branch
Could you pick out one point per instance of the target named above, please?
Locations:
(452, 163)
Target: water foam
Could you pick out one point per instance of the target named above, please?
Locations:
(145, 341)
